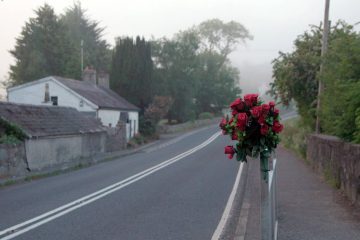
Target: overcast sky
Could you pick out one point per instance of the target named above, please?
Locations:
(273, 23)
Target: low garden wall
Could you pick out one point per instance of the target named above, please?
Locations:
(12, 160)
(339, 161)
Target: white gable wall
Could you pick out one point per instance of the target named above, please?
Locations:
(34, 94)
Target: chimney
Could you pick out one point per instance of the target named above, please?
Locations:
(89, 75)
(103, 79)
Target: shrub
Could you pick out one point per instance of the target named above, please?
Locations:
(206, 115)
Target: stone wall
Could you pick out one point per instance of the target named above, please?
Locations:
(116, 138)
(64, 151)
(339, 161)
(12, 160)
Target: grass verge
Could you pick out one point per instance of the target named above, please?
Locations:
(294, 136)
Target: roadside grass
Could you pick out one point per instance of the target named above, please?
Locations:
(294, 136)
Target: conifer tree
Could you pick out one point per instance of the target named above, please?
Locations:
(42, 49)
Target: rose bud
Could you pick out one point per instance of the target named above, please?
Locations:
(272, 105)
(234, 136)
(276, 112)
(264, 129)
(230, 151)
(261, 120)
(223, 123)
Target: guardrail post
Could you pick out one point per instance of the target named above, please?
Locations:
(268, 199)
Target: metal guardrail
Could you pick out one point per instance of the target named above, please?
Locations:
(269, 221)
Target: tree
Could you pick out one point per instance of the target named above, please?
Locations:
(295, 74)
(42, 49)
(296, 77)
(131, 71)
(340, 112)
(80, 28)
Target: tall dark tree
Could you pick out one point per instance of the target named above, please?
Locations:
(81, 28)
(131, 70)
(42, 49)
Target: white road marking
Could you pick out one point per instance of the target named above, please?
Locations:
(228, 207)
(30, 224)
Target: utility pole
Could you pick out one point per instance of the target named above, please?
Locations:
(324, 48)
(82, 55)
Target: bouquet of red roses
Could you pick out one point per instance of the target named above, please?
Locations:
(254, 125)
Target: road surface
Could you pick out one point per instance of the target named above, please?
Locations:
(167, 191)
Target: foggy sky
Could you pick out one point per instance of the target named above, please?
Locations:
(273, 23)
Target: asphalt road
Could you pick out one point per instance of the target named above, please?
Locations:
(182, 200)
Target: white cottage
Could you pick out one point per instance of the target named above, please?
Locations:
(86, 96)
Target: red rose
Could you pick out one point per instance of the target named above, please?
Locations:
(242, 121)
(234, 112)
(276, 112)
(261, 120)
(251, 99)
(265, 108)
(272, 105)
(256, 111)
(254, 98)
(238, 105)
(248, 99)
(234, 136)
(230, 151)
(264, 129)
(277, 127)
(223, 123)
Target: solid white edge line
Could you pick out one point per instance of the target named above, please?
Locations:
(103, 192)
(228, 207)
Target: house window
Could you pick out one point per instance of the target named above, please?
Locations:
(47, 93)
(54, 100)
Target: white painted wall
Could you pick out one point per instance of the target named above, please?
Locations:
(134, 117)
(108, 117)
(34, 94)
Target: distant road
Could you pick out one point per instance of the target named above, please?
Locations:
(172, 191)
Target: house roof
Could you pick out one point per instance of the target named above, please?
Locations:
(100, 96)
(41, 121)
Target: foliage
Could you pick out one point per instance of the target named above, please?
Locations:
(12, 133)
(131, 71)
(294, 136)
(341, 76)
(157, 110)
(80, 27)
(193, 68)
(43, 48)
(295, 74)
(254, 125)
(206, 115)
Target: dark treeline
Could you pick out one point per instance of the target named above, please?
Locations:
(192, 69)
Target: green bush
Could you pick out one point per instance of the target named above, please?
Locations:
(9, 139)
(294, 136)
(206, 115)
